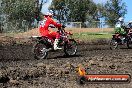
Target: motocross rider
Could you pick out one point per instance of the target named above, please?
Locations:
(44, 31)
(120, 26)
(121, 29)
(129, 26)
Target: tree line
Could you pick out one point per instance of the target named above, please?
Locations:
(88, 10)
(14, 12)
(64, 10)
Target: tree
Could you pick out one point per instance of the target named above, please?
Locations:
(113, 10)
(82, 11)
(18, 10)
(58, 8)
(100, 10)
(75, 10)
(38, 8)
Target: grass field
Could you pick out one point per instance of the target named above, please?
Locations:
(92, 36)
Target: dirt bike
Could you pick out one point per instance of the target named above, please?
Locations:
(129, 39)
(45, 45)
(121, 39)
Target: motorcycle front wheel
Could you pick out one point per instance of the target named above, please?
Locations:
(40, 51)
(113, 44)
(129, 42)
(70, 47)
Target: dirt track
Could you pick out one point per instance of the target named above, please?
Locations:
(58, 71)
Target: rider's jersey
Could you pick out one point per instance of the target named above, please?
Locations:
(48, 21)
(44, 25)
(119, 28)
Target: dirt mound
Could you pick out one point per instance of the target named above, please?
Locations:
(35, 31)
(7, 40)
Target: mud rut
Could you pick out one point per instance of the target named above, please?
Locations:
(58, 71)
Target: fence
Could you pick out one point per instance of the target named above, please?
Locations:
(22, 26)
(94, 24)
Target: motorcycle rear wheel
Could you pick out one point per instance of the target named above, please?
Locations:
(40, 51)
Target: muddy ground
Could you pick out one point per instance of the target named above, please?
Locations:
(21, 70)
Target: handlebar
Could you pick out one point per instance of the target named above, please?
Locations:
(63, 26)
(51, 26)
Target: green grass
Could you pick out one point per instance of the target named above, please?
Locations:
(92, 36)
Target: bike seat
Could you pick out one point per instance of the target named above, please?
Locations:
(38, 37)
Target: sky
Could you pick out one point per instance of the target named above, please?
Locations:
(45, 6)
(128, 16)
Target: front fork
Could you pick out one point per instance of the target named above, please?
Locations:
(120, 39)
(63, 41)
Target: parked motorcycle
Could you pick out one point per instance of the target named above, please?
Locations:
(45, 45)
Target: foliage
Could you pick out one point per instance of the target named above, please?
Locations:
(19, 9)
(87, 11)
(38, 8)
(113, 10)
(59, 9)
(75, 10)
(19, 13)
(81, 9)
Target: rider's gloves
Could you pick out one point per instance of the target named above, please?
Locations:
(63, 26)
